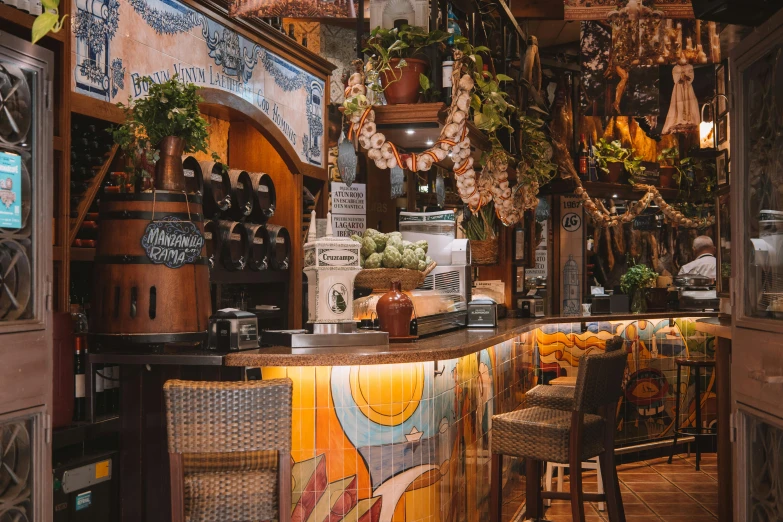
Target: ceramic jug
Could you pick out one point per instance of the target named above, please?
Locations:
(395, 310)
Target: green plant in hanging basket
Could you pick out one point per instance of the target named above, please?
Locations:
(170, 108)
(535, 158)
(481, 225)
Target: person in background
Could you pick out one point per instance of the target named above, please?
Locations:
(705, 262)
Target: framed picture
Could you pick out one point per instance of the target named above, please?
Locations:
(721, 80)
(722, 167)
(519, 244)
(722, 129)
(520, 280)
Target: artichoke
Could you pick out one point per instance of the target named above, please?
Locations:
(392, 258)
(380, 241)
(422, 244)
(409, 260)
(395, 242)
(422, 266)
(373, 261)
(396, 234)
(428, 260)
(406, 244)
(368, 246)
(356, 237)
(370, 232)
(421, 255)
(362, 259)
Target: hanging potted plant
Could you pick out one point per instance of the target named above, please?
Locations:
(481, 229)
(668, 159)
(397, 59)
(635, 282)
(535, 159)
(614, 160)
(159, 128)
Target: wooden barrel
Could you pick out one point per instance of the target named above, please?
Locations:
(266, 198)
(212, 242)
(217, 189)
(194, 179)
(134, 299)
(279, 247)
(241, 194)
(258, 253)
(233, 244)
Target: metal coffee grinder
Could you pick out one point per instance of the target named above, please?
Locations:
(331, 264)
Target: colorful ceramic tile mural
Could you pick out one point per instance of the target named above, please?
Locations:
(411, 442)
(115, 42)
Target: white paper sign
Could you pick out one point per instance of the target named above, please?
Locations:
(345, 226)
(349, 200)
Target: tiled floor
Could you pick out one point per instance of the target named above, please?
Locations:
(653, 491)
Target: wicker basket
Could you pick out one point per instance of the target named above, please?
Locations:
(484, 252)
(381, 278)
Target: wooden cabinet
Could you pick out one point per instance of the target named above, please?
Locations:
(757, 260)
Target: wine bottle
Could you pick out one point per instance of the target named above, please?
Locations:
(592, 174)
(291, 31)
(583, 158)
(448, 68)
(79, 396)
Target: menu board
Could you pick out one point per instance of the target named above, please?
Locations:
(10, 190)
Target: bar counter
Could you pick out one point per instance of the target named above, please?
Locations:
(403, 433)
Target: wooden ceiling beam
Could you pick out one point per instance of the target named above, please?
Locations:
(538, 9)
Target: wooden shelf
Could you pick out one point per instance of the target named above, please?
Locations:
(89, 195)
(20, 18)
(102, 110)
(598, 189)
(80, 432)
(82, 254)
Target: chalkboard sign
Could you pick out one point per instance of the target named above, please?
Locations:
(172, 242)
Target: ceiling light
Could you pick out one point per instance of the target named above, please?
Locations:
(614, 196)
(410, 131)
(430, 142)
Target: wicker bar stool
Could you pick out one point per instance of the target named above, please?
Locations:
(541, 434)
(229, 450)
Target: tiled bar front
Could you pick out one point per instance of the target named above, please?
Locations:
(409, 442)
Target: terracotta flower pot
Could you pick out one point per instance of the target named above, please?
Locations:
(402, 85)
(615, 174)
(395, 310)
(169, 174)
(666, 178)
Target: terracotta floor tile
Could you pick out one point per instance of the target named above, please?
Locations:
(567, 518)
(643, 518)
(650, 476)
(679, 478)
(688, 518)
(712, 508)
(666, 498)
(638, 509)
(629, 497)
(706, 498)
(679, 509)
(698, 487)
(652, 487)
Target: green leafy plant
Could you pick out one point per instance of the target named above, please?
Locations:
(701, 177)
(481, 225)
(535, 162)
(427, 90)
(669, 157)
(48, 20)
(638, 277)
(491, 107)
(613, 152)
(407, 41)
(169, 109)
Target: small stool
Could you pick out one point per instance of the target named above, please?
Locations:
(698, 430)
(588, 464)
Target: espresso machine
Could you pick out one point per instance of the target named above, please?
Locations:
(330, 264)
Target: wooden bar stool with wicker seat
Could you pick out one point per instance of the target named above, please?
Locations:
(229, 450)
(542, 434)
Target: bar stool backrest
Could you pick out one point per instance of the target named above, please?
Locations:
(600, 377)
(225, 417)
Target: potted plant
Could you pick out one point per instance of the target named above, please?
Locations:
(613, 160)
(668, 159)
(398, 60)
(480, 229)
(159, 128)
(635, 283)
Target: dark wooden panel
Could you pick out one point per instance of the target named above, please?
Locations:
(725, 472)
